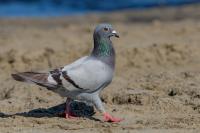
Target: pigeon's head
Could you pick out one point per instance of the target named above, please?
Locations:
(105, 31)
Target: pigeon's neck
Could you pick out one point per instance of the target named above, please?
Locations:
(103, 47)
(104, 50)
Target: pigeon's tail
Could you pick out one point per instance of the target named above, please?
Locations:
(33, 77)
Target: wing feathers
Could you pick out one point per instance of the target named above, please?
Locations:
(66, 77)
(55, 74)
(33, 77)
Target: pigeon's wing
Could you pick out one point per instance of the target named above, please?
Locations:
(88, 76)
(54, 76)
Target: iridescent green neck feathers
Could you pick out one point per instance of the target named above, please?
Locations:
(103, 48)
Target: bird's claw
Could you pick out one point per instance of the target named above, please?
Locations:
(70, 115)
(109, 118)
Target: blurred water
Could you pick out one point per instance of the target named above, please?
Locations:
(70, 7)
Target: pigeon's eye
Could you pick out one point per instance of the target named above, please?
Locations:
(105, 29)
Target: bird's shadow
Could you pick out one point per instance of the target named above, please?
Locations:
(79, 109)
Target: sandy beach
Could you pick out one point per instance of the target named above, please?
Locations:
(156, 87)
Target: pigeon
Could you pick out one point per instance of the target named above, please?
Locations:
(84, 79)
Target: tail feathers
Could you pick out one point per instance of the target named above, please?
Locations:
(33, 77)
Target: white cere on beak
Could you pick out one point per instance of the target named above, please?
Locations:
(114, 32)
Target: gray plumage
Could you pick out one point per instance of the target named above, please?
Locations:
(84, 78)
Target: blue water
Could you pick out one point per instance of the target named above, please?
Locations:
(16, 8)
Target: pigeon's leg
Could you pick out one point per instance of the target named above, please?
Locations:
(107, 116)
(68, 111)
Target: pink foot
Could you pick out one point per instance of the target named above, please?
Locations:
(68, 113)
(109, 118)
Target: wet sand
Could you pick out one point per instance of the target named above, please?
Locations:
(156, 87)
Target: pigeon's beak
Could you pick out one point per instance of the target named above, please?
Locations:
(114, 33)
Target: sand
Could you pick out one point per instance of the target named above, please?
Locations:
(156, 87)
